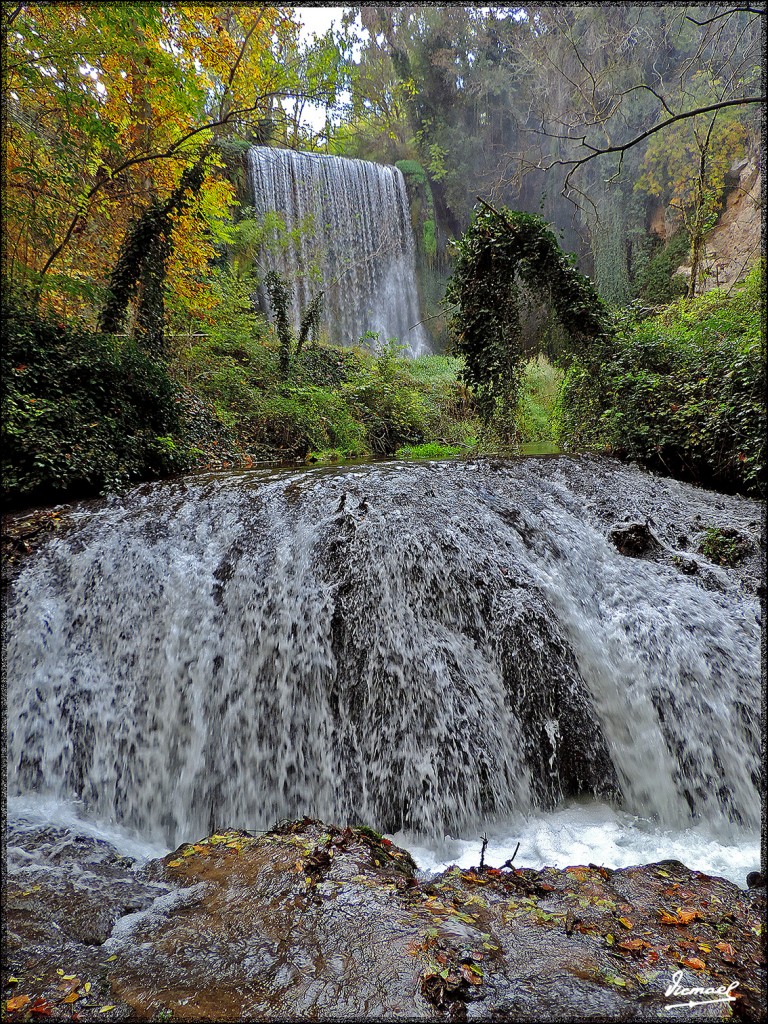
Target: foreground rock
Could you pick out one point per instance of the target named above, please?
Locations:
(310, 921)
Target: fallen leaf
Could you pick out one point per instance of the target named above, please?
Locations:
(634, 944)
(13, 981)
(472, 974)
(111, 958)
(695, 963)
(625, 921)
(17, 1003)
(174, 863)
(686, 916)
(71, 998)
(726, 949)
(105, 1009)
(667, 918)
(42, 1008)
(87, 987)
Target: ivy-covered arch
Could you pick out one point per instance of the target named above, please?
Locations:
(502, 250)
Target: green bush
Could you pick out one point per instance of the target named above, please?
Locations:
(82, 412)
(681, 392)
(656, 280)
(336, 403)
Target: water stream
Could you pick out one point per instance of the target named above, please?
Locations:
(434, 649)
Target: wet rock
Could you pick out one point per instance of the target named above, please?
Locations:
(755, 880)
(634, 539)
(687, 565)
(314, 921)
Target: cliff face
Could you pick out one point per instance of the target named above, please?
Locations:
(734, 244)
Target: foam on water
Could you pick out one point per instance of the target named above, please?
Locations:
(593, 834)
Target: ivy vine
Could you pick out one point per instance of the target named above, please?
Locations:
(141, 265)
(309, 324)
(502, 251)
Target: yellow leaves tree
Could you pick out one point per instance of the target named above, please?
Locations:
(107, 106)
(686, 168)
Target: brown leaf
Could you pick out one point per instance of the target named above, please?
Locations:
(695, 963)
(686, 916)
(469, 974)
(667, 918)
(634, 944)
(42, 1008)
(71, 998)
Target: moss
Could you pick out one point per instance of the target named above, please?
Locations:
(725, 546)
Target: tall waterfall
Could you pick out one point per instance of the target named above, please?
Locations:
(430, 646)
(352, 240)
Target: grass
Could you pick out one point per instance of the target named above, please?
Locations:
(538, 400)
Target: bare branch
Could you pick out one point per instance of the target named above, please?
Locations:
(727, 14)
(596, 151)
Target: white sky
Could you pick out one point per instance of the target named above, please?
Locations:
(317, 19)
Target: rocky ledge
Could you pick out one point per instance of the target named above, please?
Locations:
(311, 921)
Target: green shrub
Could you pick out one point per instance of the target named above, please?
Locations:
(656, 280)
(681, 392)
(82, 412)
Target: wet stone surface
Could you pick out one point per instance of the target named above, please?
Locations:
(313, 921)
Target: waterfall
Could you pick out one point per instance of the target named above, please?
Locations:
(425, 646)
(352, 240)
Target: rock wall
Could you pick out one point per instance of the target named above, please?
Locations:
(734, 244)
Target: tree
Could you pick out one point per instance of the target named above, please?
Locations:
(686, 167)
(108, 106)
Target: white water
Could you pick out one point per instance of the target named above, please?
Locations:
(443, 648)
(353, 242)
(594, 834)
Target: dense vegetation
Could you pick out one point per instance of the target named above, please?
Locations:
(137, 346)
(682, 392)
(82, 412)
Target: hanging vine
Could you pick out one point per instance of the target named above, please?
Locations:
(141, 265)
(501, 251)
(310, 319)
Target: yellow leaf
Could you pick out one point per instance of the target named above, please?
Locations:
(669, 918)
(13, 981)
(174, 863)
(625, 921)
(17, 1003)
(71, 998)
(87, 987)
(111, 958)
(104, 1009)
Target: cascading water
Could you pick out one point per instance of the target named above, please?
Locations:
(352, 240)
(430, 647)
